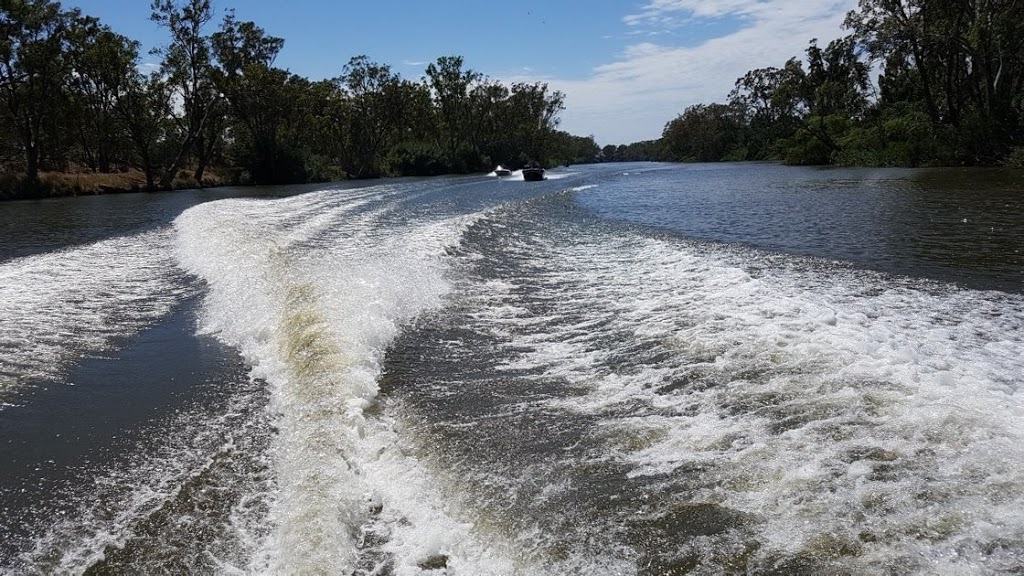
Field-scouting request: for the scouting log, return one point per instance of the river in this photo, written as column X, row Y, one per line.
column 624, row 369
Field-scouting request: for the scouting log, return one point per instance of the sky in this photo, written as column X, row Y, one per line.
column 626, row 67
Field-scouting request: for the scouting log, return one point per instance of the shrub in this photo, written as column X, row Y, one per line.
column 1016, row 159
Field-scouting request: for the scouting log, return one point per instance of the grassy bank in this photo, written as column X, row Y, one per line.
column 56, row 184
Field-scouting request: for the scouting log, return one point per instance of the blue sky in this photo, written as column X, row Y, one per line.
column 627, row 67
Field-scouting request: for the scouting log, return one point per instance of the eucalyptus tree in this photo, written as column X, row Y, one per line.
column 490, row 120
column 324, row 116
column 771, row 104
column 704, row 133
column 450, row 86
column 835, row 93
column 897, row 31
column 535, row 116
column 187, row 67
column 837, row 80
column 961, row 61
column 379, row 109
column 257, row 93
column 144, row 109
column 33, row 73
column 571, row 149
column 104, row 63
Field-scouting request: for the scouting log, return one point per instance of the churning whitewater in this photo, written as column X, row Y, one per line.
column 470, row 376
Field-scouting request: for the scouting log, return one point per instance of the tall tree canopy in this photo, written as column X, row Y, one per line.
column 73, row 97
column 950, row 91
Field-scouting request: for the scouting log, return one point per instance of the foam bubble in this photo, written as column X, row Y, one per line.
column 58, row 306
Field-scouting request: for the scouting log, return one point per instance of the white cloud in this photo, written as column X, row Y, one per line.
column 633, row 97
column 665, row 11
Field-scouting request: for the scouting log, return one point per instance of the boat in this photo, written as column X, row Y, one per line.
column 533, row 174
column 502, row 171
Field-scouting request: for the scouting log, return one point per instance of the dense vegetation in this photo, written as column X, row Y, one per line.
column 73, row 98
column 950, row 91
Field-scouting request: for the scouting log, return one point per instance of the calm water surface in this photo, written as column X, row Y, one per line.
column 625, row 369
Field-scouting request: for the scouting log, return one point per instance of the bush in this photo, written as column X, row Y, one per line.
column 1016, row 159
column 414, row 159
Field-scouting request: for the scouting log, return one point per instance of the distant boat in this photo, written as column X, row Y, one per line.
column 533, row 174
column 502, row 171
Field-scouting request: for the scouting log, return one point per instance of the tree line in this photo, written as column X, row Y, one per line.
column 949, row 91
column 73, row 97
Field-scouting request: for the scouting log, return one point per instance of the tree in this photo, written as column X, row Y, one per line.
column 834, row 92
column 450, row 85
column 187, row 66
column 258, row 97
column 962, row 62
column 535, row 117
column 570, row 149
column 837, row 79
column 770, row 102
column 704, row 133
column 143, row 110
column 489, row 121
column 33, row 72
column 103, row 65
column 379, row 105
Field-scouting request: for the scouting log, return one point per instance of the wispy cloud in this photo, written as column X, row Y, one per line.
column 633, row 97
column 668, row 12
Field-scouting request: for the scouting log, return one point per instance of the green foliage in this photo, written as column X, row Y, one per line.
column 568, row 149
column 950, row 93
column 645, row 150
column 417, row 159
column 72, row 97
column 703, row 133
column 805, row 148
column 34, row 68
column 187, row 66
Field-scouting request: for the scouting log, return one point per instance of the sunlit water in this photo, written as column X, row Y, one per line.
column 625, row 369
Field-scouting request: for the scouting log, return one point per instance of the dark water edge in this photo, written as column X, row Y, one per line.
column 59, row 438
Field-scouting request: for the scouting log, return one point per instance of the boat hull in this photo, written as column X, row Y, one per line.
column 533, row 174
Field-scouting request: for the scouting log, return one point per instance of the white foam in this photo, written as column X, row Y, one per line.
column 108, row 512
column 517, row 176
column 314, row 323
column 832, row 404
column 59, row 306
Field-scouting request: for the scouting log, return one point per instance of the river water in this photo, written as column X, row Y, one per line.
column 624, row 369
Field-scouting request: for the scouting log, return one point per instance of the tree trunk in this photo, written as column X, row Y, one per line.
column 201, row 161
column 32, row 162
column 172, row 170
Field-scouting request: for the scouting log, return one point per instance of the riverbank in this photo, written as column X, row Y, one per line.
column 15, row 186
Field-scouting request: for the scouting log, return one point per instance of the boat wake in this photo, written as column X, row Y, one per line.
column 58, row 307
column 313, row 317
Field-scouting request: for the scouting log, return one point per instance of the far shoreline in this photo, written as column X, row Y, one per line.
column 51, row 185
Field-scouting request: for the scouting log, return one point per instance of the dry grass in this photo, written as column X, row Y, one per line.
column 51, row 184
column 92, row 183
